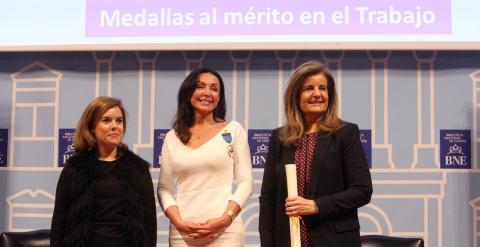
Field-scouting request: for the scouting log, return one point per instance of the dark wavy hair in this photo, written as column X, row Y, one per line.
column 185, row 116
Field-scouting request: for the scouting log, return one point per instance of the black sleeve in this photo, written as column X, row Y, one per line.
column 268, row 193
column 150, row 213
column 357, row 176
column 62, row 203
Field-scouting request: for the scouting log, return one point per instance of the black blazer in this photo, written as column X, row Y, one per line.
column 340, row 183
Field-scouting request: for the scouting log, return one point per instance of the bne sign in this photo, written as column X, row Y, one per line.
column 258, row 159
column 66, row 157
column 456, row 160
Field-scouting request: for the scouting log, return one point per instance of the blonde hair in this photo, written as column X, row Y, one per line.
column 84, row 138
column 295, row 128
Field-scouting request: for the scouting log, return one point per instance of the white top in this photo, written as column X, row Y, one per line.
column 204, row 176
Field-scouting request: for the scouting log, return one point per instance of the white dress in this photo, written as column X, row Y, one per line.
column 203, row 178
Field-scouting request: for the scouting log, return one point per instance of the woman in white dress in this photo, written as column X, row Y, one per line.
column 201, row 157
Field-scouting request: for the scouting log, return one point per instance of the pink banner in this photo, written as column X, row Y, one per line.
column 120, row 18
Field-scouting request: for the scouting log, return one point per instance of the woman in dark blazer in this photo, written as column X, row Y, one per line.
column 333, row 177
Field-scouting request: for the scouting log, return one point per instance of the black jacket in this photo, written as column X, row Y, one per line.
column 340, row 183
column 74, row 200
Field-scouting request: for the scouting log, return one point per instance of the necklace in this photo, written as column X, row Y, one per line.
column 204, row 132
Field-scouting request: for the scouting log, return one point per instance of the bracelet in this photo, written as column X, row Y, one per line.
column 230, row 213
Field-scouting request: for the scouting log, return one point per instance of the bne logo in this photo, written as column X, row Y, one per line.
column 66, row 157
column 258, row 159
column 455, row 156
column 69, row 153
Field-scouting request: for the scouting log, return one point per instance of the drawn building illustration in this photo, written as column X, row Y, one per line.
column 411, row 190
column 29, row 210
column 146, row 102
column 475, row 76
column 103, row 73
column 34, row 122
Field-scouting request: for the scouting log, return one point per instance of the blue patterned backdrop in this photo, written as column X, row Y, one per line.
column 418, row 112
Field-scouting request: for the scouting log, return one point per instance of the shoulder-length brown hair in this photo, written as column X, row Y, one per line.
column 185, row 116
column 84, row 138
column 294, row 128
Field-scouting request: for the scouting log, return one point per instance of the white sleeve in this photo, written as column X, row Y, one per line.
column 166, row 179
column 243, row 167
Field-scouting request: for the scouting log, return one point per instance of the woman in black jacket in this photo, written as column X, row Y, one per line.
column 104, row 195
column 332, row 172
